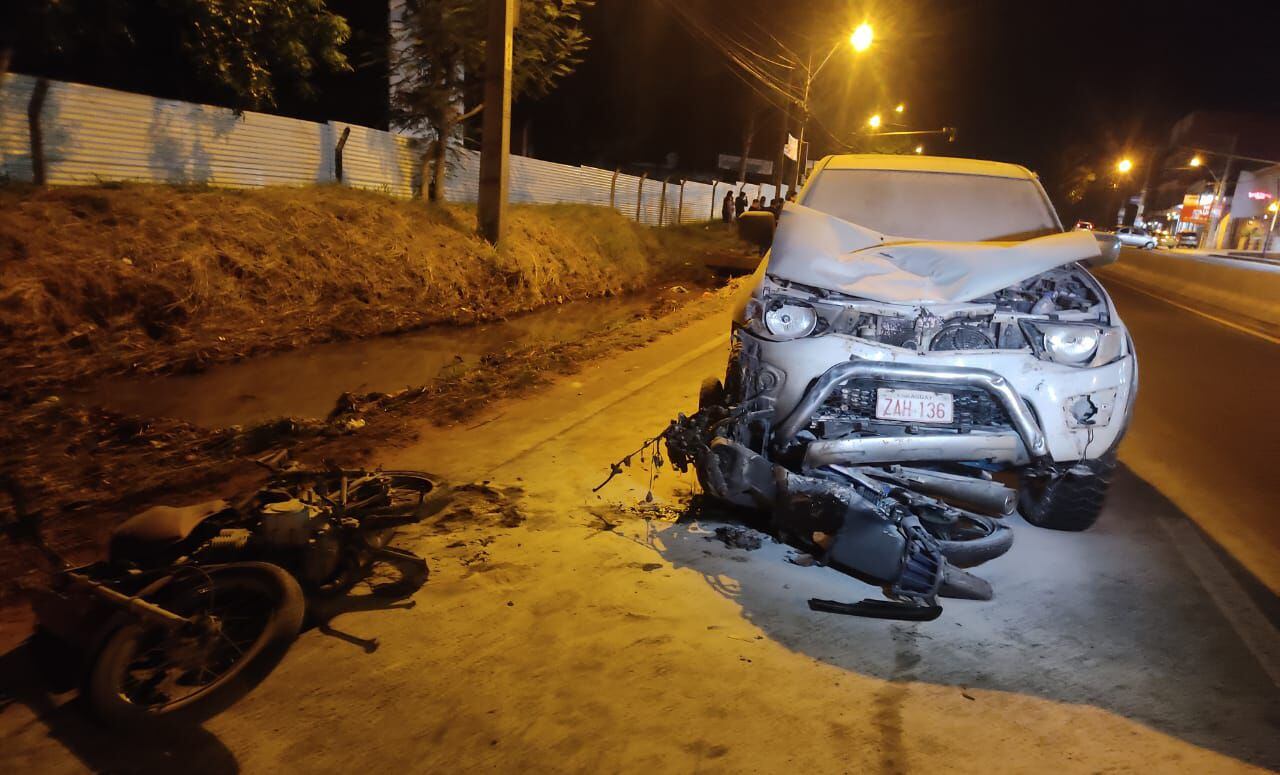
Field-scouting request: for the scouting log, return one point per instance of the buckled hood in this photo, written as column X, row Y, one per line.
column 820, row 250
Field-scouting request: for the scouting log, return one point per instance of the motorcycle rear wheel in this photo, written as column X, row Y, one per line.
column 146, row 676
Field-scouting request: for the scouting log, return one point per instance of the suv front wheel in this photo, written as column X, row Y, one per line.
column 1069, row 500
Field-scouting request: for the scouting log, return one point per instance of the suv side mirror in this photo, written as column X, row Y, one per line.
column 1108, row 247
column 756, row 227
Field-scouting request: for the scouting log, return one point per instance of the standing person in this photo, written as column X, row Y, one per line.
column 726, row 207
column 740, row 204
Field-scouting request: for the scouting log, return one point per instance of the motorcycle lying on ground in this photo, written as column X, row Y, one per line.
column 194, row 606
column 910, row 531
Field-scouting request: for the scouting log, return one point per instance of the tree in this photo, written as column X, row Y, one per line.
column 438, row 57
column 244, row 49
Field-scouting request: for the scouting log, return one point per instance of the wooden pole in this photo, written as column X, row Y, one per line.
column 337, row 153
column 495, row 143
column 640, row 194
column 662, row 202
column 35, row 106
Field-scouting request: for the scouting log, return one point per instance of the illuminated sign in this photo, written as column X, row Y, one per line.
column 1195, row 209
column 1260, row 195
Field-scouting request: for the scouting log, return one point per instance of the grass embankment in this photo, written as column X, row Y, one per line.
column 154, row 278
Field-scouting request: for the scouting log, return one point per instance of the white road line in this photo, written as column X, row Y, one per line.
column 1254, row 628
column 1201, row 313
column 593, row 408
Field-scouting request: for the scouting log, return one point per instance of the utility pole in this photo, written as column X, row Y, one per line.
column 1218, row 191
column 804, row 122
column 495, row 143
column 782, row 145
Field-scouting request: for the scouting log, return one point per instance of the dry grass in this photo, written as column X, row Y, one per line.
column 155, row 278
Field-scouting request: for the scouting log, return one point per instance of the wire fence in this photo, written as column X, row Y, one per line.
column 94, row 135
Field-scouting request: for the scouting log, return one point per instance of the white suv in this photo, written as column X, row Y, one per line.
column 928, row 318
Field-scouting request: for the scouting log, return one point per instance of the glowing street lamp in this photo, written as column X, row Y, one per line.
column 861, row 37
column 1123, row 166
column 900, row 108
column 874, row 121
column 919, row 149
column 1196, row 161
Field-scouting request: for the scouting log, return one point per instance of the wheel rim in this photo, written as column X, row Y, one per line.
column 962, row 528
column 164, row 669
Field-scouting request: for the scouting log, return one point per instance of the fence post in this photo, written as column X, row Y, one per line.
column 714, row 183
column 640, row 194
column 35, row 106
column 680, row 204
column 613, row 189
column 662, row 201
column 337, row 153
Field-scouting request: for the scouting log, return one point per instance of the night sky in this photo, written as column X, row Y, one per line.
column 1048, row 85
column 1030, row 82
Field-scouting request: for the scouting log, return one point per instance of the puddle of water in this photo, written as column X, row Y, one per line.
column 306, row 382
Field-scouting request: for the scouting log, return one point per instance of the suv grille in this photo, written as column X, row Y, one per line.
column 973, row 407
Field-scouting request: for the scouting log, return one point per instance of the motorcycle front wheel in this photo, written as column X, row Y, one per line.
column 245, row 617
column 972, row 539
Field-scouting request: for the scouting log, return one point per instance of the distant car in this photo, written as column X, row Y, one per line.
column 1132, row 235
column 1084, row 225
column 1188, row 239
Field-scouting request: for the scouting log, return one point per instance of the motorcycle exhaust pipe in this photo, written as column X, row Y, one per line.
column 981, row 495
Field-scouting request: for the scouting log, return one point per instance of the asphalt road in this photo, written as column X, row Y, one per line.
column 591, row 639
column 1206, row 429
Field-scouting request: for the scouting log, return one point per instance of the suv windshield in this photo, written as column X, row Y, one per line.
column 934, row 205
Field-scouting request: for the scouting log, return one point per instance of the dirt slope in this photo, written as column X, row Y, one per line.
column 154, row 278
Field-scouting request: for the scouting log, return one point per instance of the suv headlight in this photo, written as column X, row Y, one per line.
column 781, row 318
column 1074, row 344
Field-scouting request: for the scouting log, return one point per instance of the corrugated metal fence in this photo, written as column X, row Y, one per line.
column 93, row 135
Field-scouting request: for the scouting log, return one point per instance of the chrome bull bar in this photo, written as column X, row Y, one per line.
column 1023, row 421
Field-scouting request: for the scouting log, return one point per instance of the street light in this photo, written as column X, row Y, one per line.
column 900, row 108
column 1123, row 166
column 874, row 121
column 861, row 37
column 919, row 149
column 1196, row 161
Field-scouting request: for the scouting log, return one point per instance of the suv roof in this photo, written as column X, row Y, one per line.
column 915, row 163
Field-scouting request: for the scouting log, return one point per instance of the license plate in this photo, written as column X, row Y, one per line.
column 913, row 405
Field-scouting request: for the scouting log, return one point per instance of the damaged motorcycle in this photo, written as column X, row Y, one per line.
column 193, row 606
column 918, row 327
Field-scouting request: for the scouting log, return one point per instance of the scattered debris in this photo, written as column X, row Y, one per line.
column 739, row 537
column 802, row 559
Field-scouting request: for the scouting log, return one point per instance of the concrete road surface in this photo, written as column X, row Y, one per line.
column 589, row 638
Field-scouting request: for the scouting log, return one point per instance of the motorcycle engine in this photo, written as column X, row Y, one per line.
column 286, row 523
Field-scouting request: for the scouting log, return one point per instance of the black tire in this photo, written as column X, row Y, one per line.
column 1068, row 502
column 987, row 539
column 270, row 588
column 711, row 394
column 1149, row 246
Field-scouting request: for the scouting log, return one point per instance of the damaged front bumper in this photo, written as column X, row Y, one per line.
column 1030, row 408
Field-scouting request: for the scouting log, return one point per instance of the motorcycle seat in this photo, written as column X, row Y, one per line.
column 160, row 527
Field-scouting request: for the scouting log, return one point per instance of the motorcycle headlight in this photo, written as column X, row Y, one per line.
column 789, row 319
column 1074, row 344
